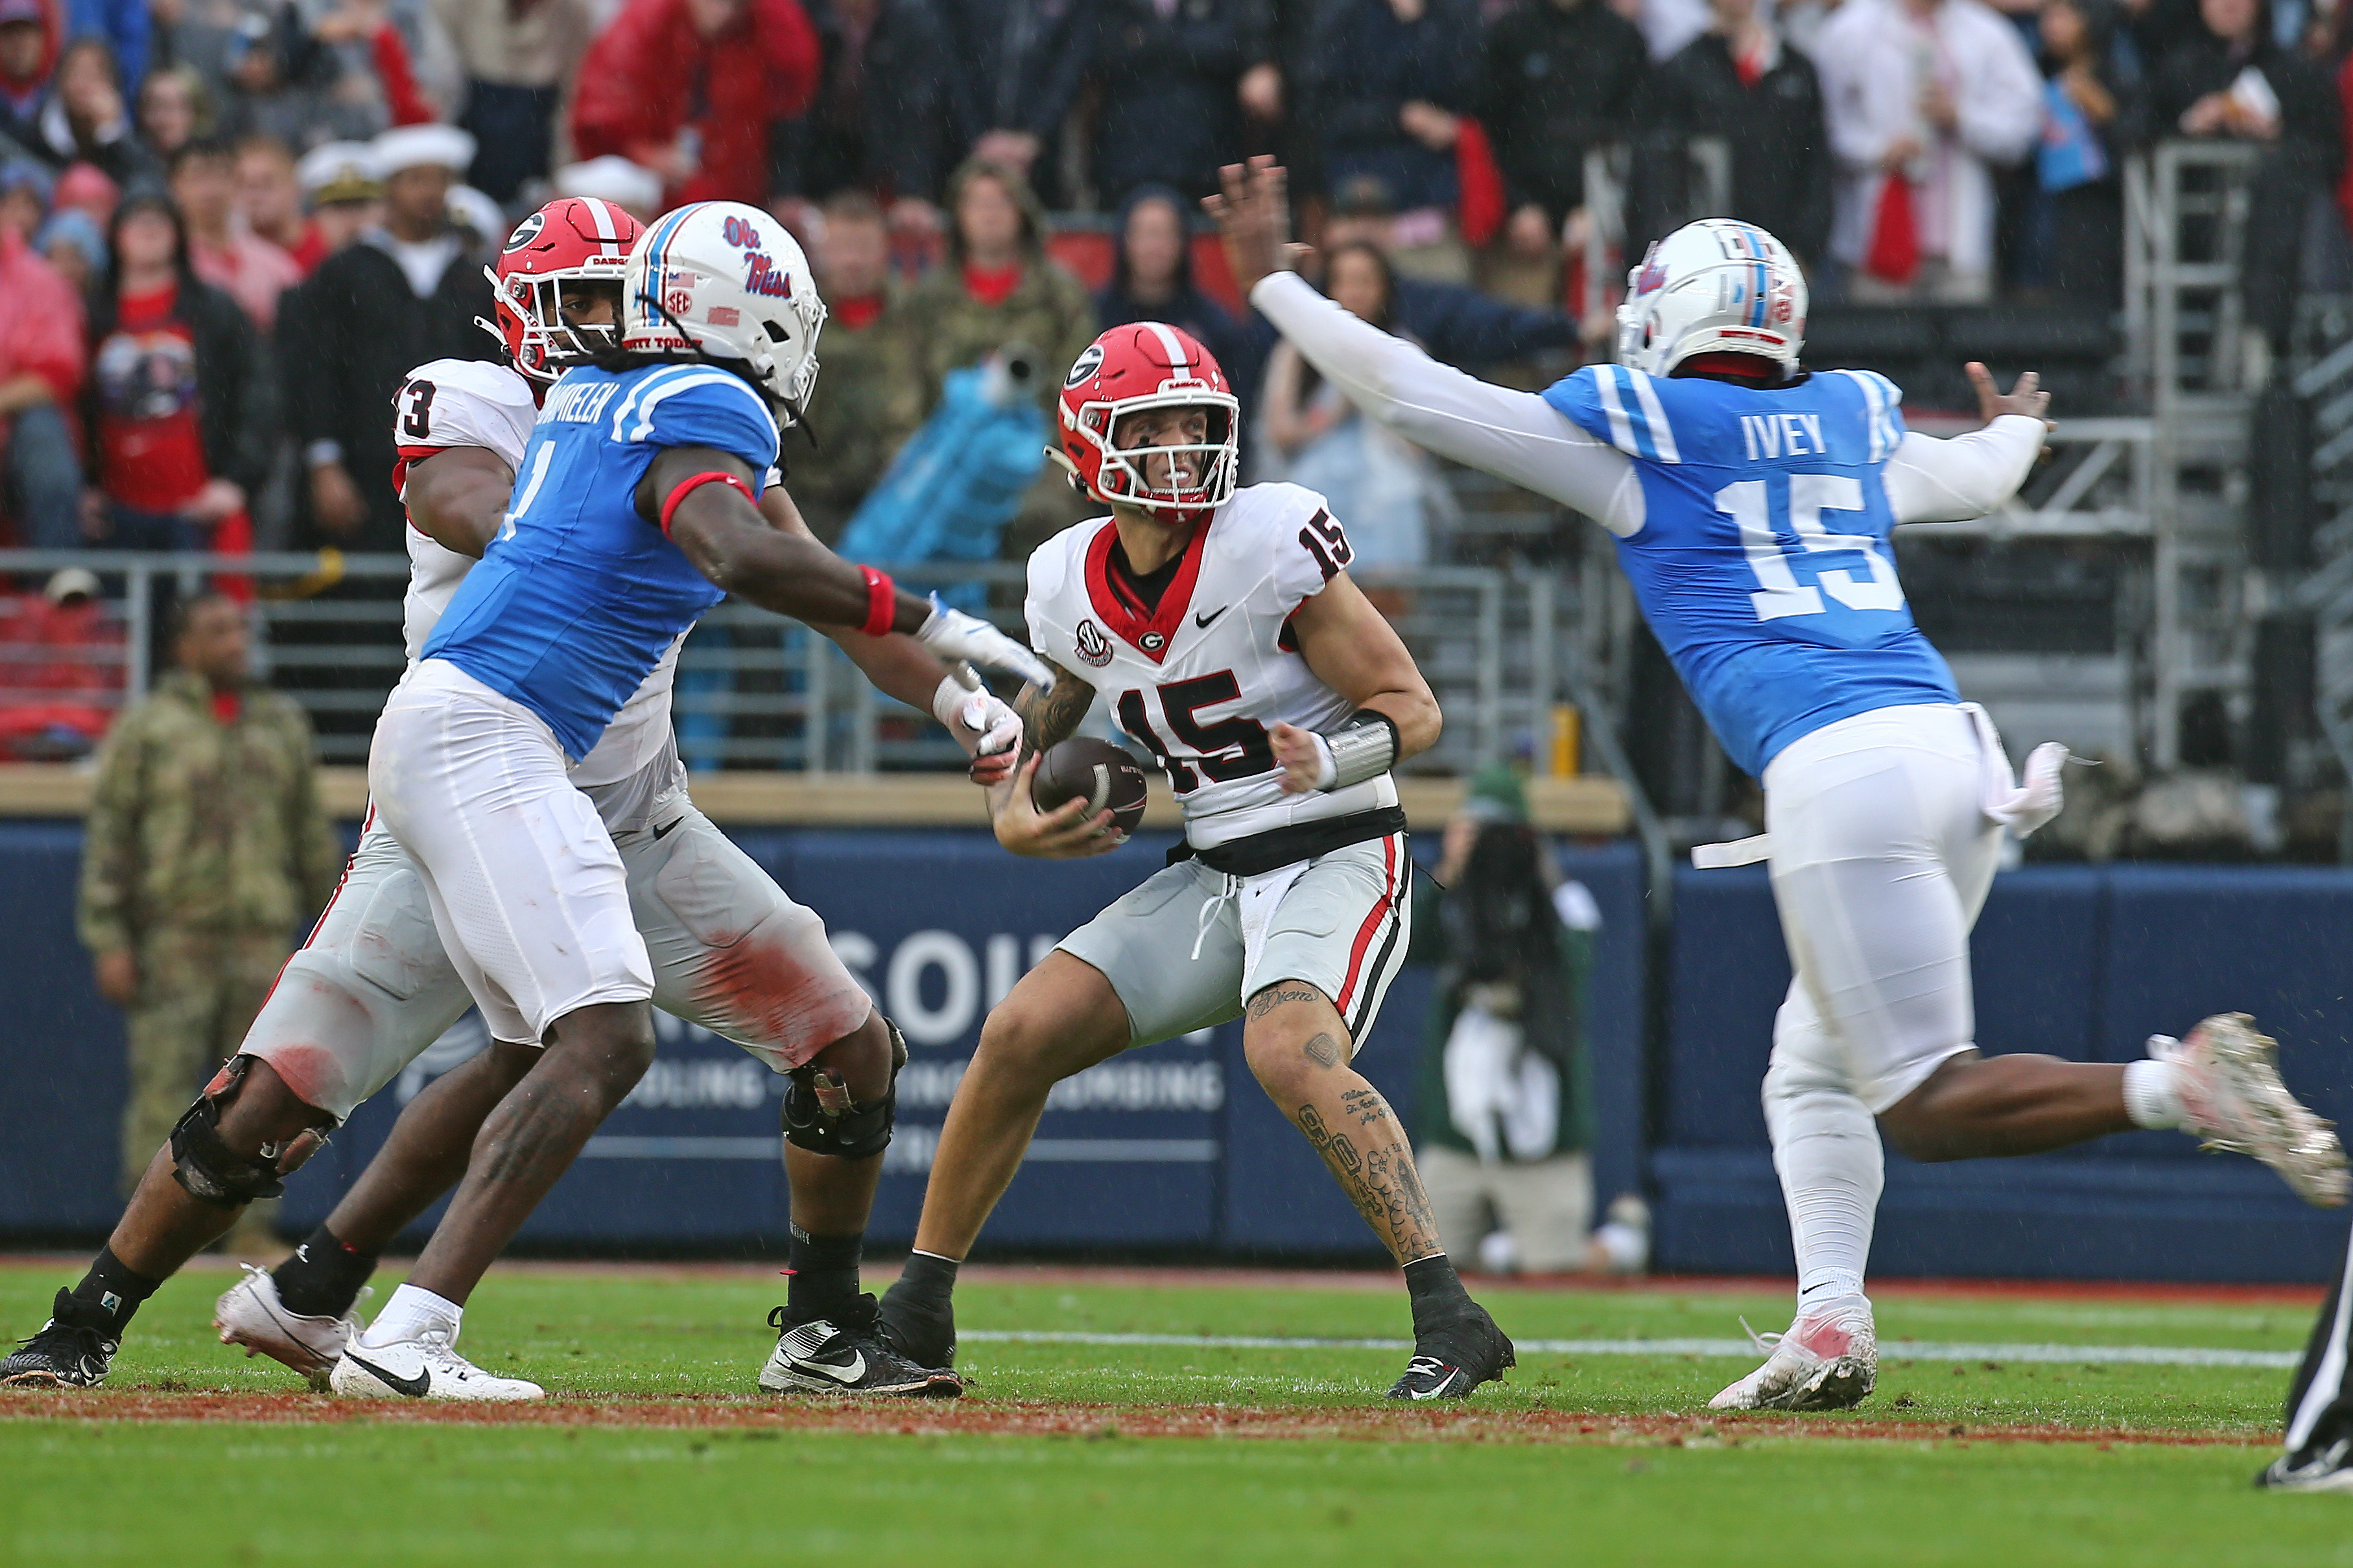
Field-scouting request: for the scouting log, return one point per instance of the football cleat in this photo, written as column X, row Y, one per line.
column 249, row 1313
column 845, row 1354
column 2328, row 1469
column 2232, row 1099
column 425, row 1366
column 1828, row 1359
column 1450, row 1361
column 64, row 1354
column 921, row 1331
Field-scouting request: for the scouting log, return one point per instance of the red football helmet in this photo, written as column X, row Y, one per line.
column 1141, row 366
column 572, row 240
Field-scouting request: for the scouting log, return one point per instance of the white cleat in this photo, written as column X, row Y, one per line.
column 1828, row 1359
column 249, row 1313
column 427, row 1366
column 2232, row 1099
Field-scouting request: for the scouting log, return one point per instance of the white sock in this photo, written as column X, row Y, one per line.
column 411, row 1309
column 2153, row 1093
column 1826, row 1147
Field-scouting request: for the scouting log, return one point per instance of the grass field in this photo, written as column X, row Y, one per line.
column 1143, row 1418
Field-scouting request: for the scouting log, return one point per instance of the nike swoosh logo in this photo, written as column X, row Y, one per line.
column 1202, row 620
column 666, row 828
column 841, row 1374
column 413, row 1387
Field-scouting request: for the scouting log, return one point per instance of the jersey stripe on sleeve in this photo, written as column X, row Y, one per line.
column 1662, row 435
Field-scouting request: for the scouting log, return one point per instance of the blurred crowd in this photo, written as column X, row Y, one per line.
column 227, row 226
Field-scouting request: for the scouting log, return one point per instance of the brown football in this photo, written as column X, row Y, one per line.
column 1104, row 775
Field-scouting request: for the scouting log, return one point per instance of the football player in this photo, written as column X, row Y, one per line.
column 1752, row 502
column 373, row 986
column 1224, row 630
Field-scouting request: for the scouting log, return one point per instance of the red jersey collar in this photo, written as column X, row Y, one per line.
column 1149, row 632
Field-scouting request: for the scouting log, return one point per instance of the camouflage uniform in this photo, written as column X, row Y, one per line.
column 206, row 843
column 869, row 399
column 944, row 327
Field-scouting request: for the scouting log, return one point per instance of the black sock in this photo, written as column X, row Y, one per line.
column 1436, row 1290
column 323, row 1276
column 822, row 1275
column 928, row 1279
column 107, row 1294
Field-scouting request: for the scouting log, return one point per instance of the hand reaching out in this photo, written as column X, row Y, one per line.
column 1253, row 213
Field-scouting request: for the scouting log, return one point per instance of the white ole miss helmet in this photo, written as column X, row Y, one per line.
column 1717, row 286
column 724, row 282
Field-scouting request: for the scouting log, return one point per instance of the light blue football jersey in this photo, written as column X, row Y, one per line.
column 579, row 597
column 1763, row 563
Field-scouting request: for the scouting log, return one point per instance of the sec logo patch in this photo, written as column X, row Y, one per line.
column 1094, row 647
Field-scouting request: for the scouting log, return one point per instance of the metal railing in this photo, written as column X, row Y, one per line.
column 755, row 689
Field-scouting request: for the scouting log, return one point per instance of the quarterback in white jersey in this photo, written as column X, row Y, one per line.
column 373, row 986
column 1751, row 501
column 1222, row 628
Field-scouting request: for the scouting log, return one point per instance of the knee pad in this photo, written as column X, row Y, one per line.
column 820, row 1115
column 204, row 1164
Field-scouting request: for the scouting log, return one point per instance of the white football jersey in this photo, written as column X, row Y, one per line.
column 473, row 403
column 1200, row 679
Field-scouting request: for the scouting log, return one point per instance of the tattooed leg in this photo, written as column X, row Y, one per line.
column 1299, row 1050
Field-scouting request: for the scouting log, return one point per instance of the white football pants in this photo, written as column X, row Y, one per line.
column 1882, row 856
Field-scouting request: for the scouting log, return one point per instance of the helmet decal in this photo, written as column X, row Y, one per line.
column 715, row 282
column 1090, row 361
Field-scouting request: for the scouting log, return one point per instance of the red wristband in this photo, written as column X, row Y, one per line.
column 693, row 482
column 881, row 603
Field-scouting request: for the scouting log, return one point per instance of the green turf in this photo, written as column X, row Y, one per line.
column 233, row 1493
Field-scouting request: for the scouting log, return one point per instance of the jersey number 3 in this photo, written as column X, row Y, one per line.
column 416, row 419
column 1779, row 593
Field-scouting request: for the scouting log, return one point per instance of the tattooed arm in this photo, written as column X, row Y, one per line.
column 1067, row 832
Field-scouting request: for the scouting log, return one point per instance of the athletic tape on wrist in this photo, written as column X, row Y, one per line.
column 1364, row 747
column 693, row 482
column 881, row 603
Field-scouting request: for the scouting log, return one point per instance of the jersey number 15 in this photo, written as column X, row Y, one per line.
column 1229, row 749
column 1770, row 553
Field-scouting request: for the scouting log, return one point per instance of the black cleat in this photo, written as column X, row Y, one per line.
column 1454, row 1358
column 63, row 1355
column 2328, row 1469
column 923, row 1330
column 846, row 1354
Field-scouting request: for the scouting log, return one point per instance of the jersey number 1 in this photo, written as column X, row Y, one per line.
column 1779, row 593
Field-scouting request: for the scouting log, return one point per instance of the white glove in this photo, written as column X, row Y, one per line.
column 952, row 635
column 972, row 713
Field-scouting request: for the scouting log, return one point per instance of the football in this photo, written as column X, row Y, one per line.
column 1101, row 773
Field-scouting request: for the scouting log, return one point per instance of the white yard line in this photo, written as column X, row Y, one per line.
column 1729, row 1350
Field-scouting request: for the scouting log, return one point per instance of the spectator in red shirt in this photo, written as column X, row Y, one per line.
column 224, row 252
column 31, row 34
column 692, row 88
column 61, row 666
column 268, row 201
column 41, row 364
column 179, row 412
